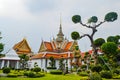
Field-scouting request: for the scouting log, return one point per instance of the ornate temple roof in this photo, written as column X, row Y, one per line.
column 22, row 47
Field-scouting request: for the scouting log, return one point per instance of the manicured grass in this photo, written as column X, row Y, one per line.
column 50, row 77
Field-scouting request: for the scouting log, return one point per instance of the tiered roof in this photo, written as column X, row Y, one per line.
column 22, row 47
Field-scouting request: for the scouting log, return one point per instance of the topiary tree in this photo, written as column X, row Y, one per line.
column 23, row 60
column 6, row 70
column 98, row 42
column 112, row 39
column 109, row 48
column 96, row 68
column 93, row 25
column 37, row 69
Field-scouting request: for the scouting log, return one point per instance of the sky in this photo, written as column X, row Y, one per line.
column 38, row 20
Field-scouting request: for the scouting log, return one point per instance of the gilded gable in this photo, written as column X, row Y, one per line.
column 22, row 47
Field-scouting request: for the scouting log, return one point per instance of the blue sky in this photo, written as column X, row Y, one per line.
column 40, row 19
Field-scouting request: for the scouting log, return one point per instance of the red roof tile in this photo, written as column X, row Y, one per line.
column 48, row 45
column 67, row 47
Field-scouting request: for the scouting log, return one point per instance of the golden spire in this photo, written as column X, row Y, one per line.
column 60, row 35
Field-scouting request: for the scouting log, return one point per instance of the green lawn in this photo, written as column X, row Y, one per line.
column 50, row 77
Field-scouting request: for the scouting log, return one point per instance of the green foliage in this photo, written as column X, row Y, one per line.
column 2, row 55
column 95, row 76
column 111, row 16
column 35, row 64
column 37, row 69
column 51, row 67
column 96, row 68
column 98, row 42
column 116, row 71
column 23, row 60
column 52, row 61
column 112, row 39
column 55, row 72
column 6, row 70
column 12, row 75
column 82, row 73
column 61, row 64
column 31, row 75
column 76, row 18
column 109, row 48
column 1, row 47
column 93, row 19
column 84, row 66
column 106, row 74
column 75, row 35
column 116, row 77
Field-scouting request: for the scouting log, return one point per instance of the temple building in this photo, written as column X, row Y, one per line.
column 59, row 48
column 11, row 58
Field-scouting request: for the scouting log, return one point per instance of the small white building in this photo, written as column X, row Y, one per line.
column 11, row 60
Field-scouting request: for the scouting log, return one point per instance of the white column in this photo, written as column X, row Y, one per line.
column 8, row 63
column 17, row 65
column 3, row 62
column 44, row 64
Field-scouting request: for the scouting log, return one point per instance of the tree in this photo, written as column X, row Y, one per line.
column 112, row 39
column 109, row 48
column 52, row 62
column 92, row 24
column 98, row 42
column 1, row 44
column 23, row 60
column 61, row 64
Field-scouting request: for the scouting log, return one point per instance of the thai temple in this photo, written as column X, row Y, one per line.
column 58, row 48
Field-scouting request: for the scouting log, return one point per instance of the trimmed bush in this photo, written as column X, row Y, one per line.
column 6, row 70
column 96, row 68
column 95, row 76
column 55, row 72
column 83, row 74
column 106, row 74
column 31, row 75
column 12, row 75
column 25, row 73
column 39, row 75
column 51, row 67
column 37, row 69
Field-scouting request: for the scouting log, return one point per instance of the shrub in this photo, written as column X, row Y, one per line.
column 6, row 70
column 51, row 67
column 39, row 75
column 55, row 72
column 83, row 74
column 96, row 68
column 106, row 74
column 95, row 76
column 31, row 74
column 84, row 66
column 37, row 69
column 25, row 73
column 117, row 71
column 116, row 77
column 12, row 75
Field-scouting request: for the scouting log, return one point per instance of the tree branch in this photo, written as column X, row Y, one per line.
column 85, row 25
column 99, row 24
